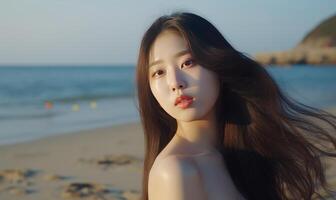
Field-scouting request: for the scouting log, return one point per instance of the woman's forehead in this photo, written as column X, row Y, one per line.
column 168, row 43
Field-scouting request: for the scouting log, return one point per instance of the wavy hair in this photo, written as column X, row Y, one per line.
column 272, row 144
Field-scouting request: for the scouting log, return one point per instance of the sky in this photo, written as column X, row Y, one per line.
column 108, row 32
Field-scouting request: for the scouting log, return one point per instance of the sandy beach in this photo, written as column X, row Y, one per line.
column 103, row 163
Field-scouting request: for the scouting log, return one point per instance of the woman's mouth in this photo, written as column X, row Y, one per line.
column 183, row 101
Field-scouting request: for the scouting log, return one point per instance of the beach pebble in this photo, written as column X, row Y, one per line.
column 117, row 160
column 79, row 190
column 112, row 160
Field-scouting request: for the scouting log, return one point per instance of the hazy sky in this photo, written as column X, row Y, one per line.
column 109, row 32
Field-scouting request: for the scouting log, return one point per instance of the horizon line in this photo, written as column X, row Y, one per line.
column 68, row 65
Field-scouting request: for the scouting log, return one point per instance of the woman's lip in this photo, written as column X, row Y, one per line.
column 183, row 98
column 185, row 103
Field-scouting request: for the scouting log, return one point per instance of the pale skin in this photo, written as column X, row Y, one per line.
column 189, row 167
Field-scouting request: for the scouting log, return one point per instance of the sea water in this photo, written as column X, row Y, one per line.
column 39, row 101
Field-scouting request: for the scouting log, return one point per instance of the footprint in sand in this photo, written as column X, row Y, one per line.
column 112, row 160
column 97, row 192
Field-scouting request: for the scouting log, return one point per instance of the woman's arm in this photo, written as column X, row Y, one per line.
column 174, row 178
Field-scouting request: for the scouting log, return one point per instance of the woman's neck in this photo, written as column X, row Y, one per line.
column 199, row 134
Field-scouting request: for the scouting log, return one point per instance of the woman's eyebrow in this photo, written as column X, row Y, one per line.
column 179, row 54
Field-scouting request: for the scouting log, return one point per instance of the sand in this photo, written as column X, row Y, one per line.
column 45, row 168
column 103, row 163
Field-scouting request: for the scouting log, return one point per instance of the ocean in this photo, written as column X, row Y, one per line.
column 39, row 101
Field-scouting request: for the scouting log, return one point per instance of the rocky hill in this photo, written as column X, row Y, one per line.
column 318, row 47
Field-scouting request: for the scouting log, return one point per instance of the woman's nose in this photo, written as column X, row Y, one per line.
column 176, row 81
column 178, row 86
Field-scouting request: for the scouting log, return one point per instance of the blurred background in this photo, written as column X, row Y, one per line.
column 69, row 65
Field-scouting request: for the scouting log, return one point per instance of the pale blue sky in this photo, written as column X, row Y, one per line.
column 109, row 32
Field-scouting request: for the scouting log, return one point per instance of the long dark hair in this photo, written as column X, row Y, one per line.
column 272, row 144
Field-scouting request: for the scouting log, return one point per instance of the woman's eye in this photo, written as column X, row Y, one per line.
column 156, row 72
column 188, row 63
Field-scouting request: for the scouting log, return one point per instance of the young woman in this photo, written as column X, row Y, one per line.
column 216, row 124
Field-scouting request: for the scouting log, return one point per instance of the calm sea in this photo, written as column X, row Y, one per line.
column 88, row 97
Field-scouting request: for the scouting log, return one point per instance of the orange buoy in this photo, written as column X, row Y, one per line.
column 48, row 105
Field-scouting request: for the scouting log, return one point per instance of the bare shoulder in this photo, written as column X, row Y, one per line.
column 174, row 177
column 175, row 165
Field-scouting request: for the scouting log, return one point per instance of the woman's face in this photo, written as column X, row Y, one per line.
column 172, row 73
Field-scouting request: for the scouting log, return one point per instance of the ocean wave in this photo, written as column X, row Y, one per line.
column 21, row 116
column 65, row 99
column 80, row 98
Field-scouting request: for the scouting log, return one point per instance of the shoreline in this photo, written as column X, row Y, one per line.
column 331, row 109
column 64, row 133
column 36, row 122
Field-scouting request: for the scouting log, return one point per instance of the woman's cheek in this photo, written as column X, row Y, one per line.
column 158, row 91
column 155, row 86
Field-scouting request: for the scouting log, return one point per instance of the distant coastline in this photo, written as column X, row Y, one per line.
column 299, row 55
column 318, row 47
